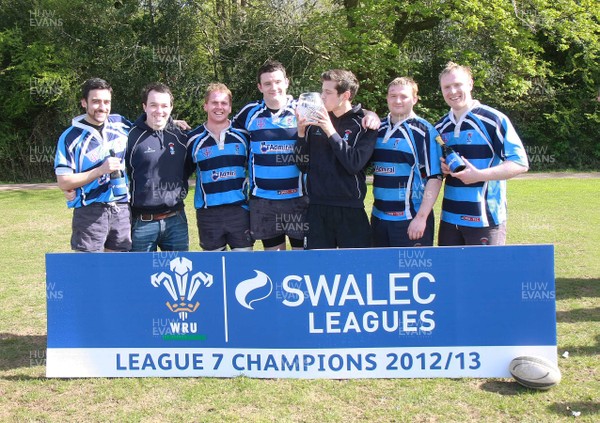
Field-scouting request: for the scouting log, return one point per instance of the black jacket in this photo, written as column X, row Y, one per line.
column 157, row 167
column 335, row 165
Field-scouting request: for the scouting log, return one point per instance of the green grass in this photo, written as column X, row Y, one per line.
column 563, row 212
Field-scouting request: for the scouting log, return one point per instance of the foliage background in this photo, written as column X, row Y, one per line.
column 535, row 60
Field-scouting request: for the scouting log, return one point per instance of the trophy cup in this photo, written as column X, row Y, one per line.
column 309, row 105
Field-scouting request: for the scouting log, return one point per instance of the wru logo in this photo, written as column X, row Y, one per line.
column 181, row 292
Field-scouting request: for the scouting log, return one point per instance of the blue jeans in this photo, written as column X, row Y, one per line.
column 170, row 234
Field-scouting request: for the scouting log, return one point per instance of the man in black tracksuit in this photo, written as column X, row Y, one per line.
column 333, row 150
column 158, row 170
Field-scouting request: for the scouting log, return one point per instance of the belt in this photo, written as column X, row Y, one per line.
column 157, row 216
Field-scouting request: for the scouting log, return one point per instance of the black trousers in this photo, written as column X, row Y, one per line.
column 337, row 227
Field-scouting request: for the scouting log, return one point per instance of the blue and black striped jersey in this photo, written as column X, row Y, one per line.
column 220, row 167
column 82, row 148
column 486, row 138
column 272, row 169
column 405, row 157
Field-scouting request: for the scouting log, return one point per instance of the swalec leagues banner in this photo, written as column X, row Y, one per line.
column 369, row 313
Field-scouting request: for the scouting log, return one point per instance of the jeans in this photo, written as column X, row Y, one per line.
column 170, row 234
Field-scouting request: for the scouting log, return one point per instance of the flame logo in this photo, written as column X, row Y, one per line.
column 245, row 288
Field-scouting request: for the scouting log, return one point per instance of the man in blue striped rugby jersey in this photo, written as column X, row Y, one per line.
column 83, row 164
column 277, row 201
column 474, row 208
column 407, row 176
column 220, row 154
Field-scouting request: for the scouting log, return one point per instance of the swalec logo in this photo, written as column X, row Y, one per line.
column 255, row 289
column 181, row 292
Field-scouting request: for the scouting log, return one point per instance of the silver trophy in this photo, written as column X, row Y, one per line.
column 309, row 105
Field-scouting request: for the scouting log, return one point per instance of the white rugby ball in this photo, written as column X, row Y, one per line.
column 534, row 372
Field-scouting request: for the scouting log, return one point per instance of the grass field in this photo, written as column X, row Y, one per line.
column 563, row 212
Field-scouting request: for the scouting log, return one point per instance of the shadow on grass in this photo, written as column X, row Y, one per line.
column 579, row 315
column 574, row 289
column 586, row 408
column 17, row 351
column 511, row 388
column 21, row 378
column 575, row 350
column 503, row 387
column 577, row 288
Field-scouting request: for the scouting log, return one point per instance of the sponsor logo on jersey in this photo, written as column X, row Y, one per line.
column 266, row 147
column 384, row 169
column 287, row 191
column 470, row 218
column 397, row 213
column 222, row 174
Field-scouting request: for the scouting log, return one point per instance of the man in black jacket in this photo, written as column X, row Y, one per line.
column 333, row 150
column 158, row 171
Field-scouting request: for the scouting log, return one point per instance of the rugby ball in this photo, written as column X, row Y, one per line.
column 534, row 372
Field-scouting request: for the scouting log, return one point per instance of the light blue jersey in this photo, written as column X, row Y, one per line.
column 486, row 138
column 82, row 148
column 273, row 172
column 220, row 167
column 405, row 157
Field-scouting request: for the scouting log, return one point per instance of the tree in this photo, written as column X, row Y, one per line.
column 536, row 60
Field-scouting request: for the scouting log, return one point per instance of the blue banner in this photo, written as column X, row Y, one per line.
column 414, row 312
